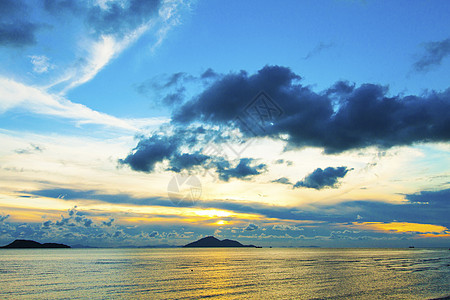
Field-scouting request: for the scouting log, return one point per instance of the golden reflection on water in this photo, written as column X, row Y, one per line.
column 220, row 273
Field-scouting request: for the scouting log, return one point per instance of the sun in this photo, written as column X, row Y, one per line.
column 221, row 222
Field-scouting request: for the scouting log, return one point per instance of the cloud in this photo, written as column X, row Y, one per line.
column 160, row 147
column 18, row 34
column 117, row 18
column 108, row 18
column 282, row 180
column 187, row 161
column 284, row 227
column 170, row 143
column 15, row 29
column 251, row 227
column 435, row 52
column 174, row 80
column 245, row 169
column 3, row 218
column 75, row 219
column 438, row 199
column 29, row 150
column 319, row 178
column 100, row 52
column 153, row 234
column 173, row 85
column 209, row 73
column 110, row 28
column 423, row 207
column 72, row 194
column 108, row 223
column 36, row 100
column 282, row 161
column 318, row 49
column 150, row 151
column 343, row 117
column 104, row 30
column 41, row 63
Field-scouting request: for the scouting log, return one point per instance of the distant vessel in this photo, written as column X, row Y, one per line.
column 411, row 246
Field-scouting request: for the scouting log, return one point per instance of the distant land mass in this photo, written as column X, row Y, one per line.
column 21, row 244
column 211, row 241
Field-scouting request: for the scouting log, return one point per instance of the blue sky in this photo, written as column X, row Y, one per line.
column 103, row 103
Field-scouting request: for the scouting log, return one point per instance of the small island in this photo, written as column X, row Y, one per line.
column 213, row 242
column 27, row 244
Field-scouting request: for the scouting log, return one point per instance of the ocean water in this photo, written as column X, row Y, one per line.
column 247, row 273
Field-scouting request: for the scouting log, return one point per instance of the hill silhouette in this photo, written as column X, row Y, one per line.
column 211, row 242
column 22, row 244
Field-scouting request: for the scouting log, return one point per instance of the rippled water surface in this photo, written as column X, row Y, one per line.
column 182, row 273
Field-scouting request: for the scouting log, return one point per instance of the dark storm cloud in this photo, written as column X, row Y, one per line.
column 15, row 28
column 435, row 52
column 187, row 161
column 226, row 97
column 119, row 18
column 160, row 147
column 341, row 118
column 209, row 73
column 244, row 170
column 150, row 151
column 323, row 178
column 340, row 88
column 174, row 98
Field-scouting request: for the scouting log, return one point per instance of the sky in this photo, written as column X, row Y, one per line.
column 159, row 122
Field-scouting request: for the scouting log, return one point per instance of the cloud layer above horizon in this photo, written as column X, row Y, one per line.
column 144, row 122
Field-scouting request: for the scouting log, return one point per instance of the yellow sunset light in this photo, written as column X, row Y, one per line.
column 402, row 227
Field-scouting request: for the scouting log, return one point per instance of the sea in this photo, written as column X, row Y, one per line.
column 224, row 273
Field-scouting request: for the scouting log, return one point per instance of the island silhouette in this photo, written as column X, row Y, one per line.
column 211, row 242
column 24, row 244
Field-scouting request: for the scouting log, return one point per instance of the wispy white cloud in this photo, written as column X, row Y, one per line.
column 100, row 52
column 41, row 63
column 169, row 16
column 36, row 100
